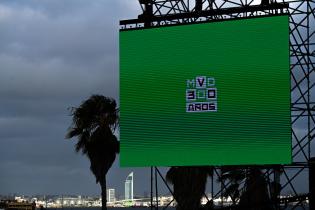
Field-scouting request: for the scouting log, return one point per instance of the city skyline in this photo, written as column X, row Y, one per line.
column 87, row 201
column 84, row 201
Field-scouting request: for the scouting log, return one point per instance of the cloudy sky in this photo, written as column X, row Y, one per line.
column 53, row 55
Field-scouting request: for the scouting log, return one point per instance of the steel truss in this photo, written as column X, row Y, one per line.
column 159, row 13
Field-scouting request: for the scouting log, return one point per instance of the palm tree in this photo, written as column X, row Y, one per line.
column 254, row 193
column 189, row 185
column 93, row 123
column 235, row 176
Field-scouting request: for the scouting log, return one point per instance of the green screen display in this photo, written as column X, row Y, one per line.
column 206, row 94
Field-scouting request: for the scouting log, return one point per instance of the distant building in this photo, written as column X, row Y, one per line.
column 111, row 195
column 129, row 187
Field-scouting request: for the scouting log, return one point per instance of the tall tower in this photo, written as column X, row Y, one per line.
column 129, row 187
column 111, row 195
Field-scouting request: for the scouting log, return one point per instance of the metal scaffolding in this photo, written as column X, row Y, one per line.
column 161, row 13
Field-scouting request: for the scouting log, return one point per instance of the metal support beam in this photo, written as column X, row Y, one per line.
column 312, row 183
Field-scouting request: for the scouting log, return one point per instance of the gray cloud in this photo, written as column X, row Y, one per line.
column 53, row 55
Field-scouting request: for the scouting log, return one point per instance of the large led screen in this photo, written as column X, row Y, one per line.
column 206, row 94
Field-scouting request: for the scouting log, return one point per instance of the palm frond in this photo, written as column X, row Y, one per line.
column 83, row 142
column 93, row 123
column 73, row 132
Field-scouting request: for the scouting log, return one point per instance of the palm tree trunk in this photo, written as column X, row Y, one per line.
column 104, row 197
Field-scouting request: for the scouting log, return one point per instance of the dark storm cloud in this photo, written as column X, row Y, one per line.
column 37, row 49
column 53, row 55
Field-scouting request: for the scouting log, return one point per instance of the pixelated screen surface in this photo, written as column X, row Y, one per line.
column 206, row 94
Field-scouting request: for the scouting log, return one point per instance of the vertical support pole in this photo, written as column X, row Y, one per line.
column 147, row 13
column 308, row 53
column 277, row 186
column 311, row 181
column 212, row 186
column 156, row 190
column 311, row 161
column 221, row 189
column 212, row 190
column 151, row 187
column 198, row 5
